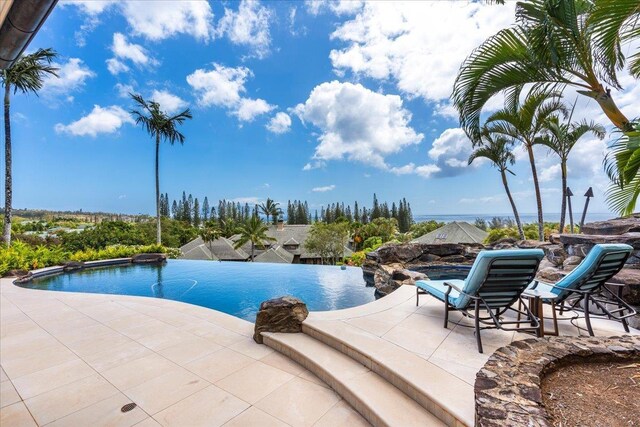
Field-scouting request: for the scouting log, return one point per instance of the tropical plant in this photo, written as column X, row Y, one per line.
column 24, row 76
column 497, row 149
column 622, row 165
column 524, row 121
column 255, row 231
column 328, row 241
column 162, row 127
column 270, row 208
column 555, row 44
column 560, row 137
column 210, row 232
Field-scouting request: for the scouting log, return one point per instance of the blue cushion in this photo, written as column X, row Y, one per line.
column 437, row 288
column 477, row 275
column 586, row 268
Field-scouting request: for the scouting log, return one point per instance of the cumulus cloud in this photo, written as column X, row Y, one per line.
column 357, row 123
column 169, row 103
column 339, row 7
column 418, row 45
column 450, row 152
column 252, row 200
column 124, row 90
column 314, row 165
column 323, row 189
column 72, row 75
column 99, row 120
column 280, row 123
column 425, row 171
column 248, row 26
column 154, row 20
column 224, row 87
column 123, row 50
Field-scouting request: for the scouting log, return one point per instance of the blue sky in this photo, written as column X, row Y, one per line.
column 320, row 101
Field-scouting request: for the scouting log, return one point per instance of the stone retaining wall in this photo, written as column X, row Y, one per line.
column 507, row 388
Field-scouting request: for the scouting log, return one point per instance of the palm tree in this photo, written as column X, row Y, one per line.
column 524, row 121
column 497, row 148
column 270, row 208
column 210, row 232
column 254, row 231
column 559, row 43
column 160, row 126
column 560, row 138
column 24, row 76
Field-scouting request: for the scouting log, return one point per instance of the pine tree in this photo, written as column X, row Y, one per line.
column 356, row 211
column 375, row 211
column 205, row 209
column 196, row 213
column 174, row 210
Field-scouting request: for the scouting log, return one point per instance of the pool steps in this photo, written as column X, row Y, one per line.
column 399, row 374
column 372, row 396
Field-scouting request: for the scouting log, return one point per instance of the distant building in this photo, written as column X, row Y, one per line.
column 288, row 247
column 454, row 232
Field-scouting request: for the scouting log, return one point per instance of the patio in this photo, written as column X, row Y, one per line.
column 76, row 359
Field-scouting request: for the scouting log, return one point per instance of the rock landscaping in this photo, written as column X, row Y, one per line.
column 284, row 314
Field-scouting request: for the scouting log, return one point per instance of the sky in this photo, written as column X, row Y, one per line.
column 320, row 100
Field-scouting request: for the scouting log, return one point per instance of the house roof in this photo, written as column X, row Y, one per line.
column 275, row 254
column 219, row 249
column 454, row 232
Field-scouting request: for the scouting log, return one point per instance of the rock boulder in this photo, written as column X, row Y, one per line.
column 614, row 227
column 284, row 314
column 152, row 258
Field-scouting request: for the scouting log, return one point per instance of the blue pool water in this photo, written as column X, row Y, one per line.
column 230, row 287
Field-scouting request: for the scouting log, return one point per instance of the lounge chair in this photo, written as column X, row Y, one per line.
column 495, row 282
column 583, row 288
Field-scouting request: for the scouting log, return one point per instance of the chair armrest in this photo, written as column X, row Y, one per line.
column 451, row 285
column 615, row 284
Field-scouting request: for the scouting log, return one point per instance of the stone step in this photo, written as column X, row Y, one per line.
column 373, row 397
column 441, row 393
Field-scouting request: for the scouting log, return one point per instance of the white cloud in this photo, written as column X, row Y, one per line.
column 425, row 171
column 99, row 120
column 169, row 103
column 280, row 123
column 154, row 20
column 249, row 109
column 450, row 151
column 323, row 189
column 115, row 67
column 124, row 90
column 339, row 7
column 72, row 75
column 224, row 87
column 357, row 123
column 249, row 200
column 314, row 165
column 123, row 50
column 248, row 26
column 418, row 45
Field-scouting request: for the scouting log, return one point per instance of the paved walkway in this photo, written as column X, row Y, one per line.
column 76, row 359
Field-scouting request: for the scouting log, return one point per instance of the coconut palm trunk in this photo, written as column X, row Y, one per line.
column 158, row 225
column 7, row 163
column 536, row 186
column 253, row 246
column 513, row 204
column 563, row 210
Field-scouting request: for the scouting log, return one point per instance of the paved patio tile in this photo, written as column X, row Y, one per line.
column 250, row 348
column 216, row 366
column 299, row 402
column 149, row 422
column 255, row 417
column 341, row 414
column 26, row 361
column 117, row 356
column 211, row 406
column 283, row 363
column 189, row 350
column 51, row 378
column 65, row 400
column 254, row 382
column 163, row 391
column 8, row 394
column 16, row 415
column 105, row 413
column 138, row 371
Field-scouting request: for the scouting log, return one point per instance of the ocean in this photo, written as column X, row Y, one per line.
column 525, row 217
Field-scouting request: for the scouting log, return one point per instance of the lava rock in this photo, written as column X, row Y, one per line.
column 152, row 258
column 284, row 314
column 73, row 266
column 613, row 227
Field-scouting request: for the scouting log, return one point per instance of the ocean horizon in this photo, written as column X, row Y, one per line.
column 526, row 218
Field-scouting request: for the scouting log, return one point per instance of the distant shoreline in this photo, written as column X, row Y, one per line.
column 525, row 218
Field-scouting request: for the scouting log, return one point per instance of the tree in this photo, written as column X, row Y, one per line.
column 496, row 148
column 196, row 213
column 206, row 210
column 162, row 127
column 524, row 121
column 24, row 76
column 560, row 138
column 270, row 208
column 557, row 44
column 209, row 233
column 328, row 240
column 255, row 231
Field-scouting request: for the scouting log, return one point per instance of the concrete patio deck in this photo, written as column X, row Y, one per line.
column 75, row 359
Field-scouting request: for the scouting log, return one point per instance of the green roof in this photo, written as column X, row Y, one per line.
column 454, row 232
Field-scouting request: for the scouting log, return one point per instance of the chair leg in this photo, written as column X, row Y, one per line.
column 587, row 317
column 417, row 295
column 556, row 332
column 477, row 316
column 625, row 325
column 446, row 315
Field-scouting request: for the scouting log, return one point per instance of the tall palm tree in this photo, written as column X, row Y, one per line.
column 497, row 148
column 255, row 231
column 524, row 122
column 560, row 137
column 24, row 76
column 161, row 126
column 210, row 232
column 270, row 208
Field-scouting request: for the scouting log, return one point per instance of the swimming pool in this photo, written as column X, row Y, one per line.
column 231, row 287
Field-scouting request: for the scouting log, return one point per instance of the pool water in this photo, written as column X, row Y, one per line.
column 231, row 287
column 444, row 272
